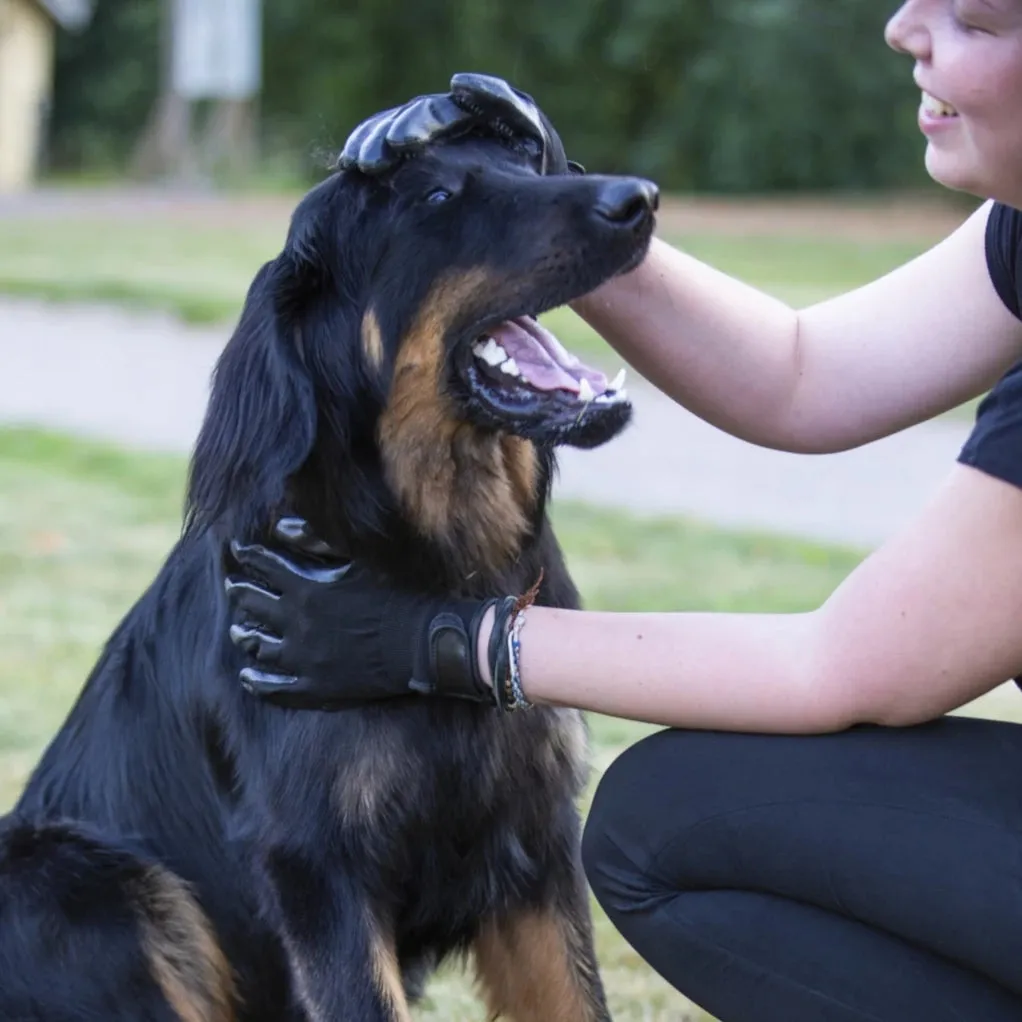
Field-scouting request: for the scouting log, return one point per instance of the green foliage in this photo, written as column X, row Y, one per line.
column 107, row 79
column 712, row 95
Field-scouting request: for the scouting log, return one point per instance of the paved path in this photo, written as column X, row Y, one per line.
column 142, row 380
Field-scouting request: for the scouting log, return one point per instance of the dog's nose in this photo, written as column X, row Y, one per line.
column 625, row 201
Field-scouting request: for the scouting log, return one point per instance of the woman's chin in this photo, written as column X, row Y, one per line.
column 954, row 172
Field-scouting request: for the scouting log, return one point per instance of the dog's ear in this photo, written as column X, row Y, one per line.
column 280, row 372
column 260, row 423
column 300, row 272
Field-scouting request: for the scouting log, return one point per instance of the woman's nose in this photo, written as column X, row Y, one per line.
column 907, row 31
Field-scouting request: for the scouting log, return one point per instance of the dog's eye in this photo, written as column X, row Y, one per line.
column 438, row 195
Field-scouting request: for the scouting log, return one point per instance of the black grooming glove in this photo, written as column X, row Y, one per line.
column 476, row 103
column 322, row 632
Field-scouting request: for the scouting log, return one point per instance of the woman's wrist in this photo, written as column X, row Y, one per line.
column 498, row 650
column 483, row 647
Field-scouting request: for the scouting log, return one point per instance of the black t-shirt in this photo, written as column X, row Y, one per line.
column 995, row 445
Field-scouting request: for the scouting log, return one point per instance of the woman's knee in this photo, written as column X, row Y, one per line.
column 617, row 850
column 650, row 799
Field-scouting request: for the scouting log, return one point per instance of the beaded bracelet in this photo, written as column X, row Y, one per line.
column 506, row 657
column 518, row 700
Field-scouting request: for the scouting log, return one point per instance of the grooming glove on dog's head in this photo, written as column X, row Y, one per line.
column 480, row 104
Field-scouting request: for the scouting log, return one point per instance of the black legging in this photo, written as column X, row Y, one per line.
column 874, row 874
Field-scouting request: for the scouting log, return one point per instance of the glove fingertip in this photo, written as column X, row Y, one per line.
column 263, row 683
column 248, row 555
column 296, row 533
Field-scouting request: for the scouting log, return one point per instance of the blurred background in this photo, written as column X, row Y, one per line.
column 151, row 152
column 719, row 96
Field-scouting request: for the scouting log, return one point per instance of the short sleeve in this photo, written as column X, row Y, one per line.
column 995, row 444
column 1003, row 242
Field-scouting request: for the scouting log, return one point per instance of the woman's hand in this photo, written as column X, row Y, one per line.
column 476, row 102
column 321, row 631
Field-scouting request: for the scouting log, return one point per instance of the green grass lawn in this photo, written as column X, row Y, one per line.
column 198, row 272
column 84, row 527
column 201, row 271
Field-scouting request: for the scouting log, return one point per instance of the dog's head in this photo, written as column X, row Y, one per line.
column 471, row 246
column 392, row 355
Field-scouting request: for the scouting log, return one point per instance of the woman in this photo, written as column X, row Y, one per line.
column 814, row 838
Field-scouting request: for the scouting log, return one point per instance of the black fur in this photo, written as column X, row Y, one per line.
column 305, row 836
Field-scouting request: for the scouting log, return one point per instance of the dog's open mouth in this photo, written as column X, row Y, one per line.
column 528, row 383
column 521, row 359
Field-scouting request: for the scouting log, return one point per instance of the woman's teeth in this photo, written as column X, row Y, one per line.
column 937, row 107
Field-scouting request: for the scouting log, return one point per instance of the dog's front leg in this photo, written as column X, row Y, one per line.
column 538, row 963
column 342, row 960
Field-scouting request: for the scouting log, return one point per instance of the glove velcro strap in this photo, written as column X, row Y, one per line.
column 452, row 659
column 447, row 664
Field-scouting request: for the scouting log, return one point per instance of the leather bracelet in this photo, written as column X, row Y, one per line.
column 498, row 652
column 504, row 648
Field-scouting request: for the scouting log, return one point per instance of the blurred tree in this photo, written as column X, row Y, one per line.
column 106, row 81
column 815, row 98
column 714, row 95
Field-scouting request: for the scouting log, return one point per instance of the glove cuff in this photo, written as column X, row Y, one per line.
column 441, row 644
column 454, row 661
column 441, row 647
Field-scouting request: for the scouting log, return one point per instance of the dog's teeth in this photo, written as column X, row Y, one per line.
column 618, row 382
column 511, row 368
column 585, row 391
column 490, row 352
column 494, row 354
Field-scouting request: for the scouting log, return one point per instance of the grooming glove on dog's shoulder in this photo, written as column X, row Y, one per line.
column 324, row 633
column 476, row 103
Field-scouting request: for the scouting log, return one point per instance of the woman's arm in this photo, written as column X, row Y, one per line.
column 916, row 342
column 926, row 624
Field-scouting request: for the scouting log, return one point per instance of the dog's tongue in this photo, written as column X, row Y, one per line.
column 541, row 358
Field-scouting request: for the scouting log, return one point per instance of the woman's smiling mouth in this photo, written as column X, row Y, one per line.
column 935, row 114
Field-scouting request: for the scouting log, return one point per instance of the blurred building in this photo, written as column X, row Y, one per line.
column 27, row 37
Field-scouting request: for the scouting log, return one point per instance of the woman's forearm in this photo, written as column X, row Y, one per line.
column 734, row 672
column 837, row 374
column 721, row 348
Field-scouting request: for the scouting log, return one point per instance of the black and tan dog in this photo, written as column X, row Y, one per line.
column 186, row 852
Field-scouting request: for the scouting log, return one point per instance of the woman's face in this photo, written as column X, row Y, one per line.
column 968, row 64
